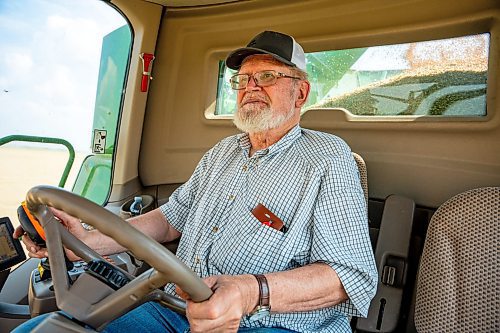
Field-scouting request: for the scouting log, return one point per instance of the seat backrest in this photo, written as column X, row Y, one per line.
column 363, row 174
column 458, row 279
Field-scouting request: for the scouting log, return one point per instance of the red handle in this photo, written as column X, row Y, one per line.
column 147, row 62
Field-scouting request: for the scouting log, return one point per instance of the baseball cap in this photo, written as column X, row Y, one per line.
column 282, row 47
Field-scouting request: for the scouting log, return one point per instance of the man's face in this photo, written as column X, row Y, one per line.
column 264, row 108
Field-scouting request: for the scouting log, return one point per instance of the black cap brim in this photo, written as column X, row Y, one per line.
column 235, row 58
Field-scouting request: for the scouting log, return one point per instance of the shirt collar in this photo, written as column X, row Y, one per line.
column 282, row 144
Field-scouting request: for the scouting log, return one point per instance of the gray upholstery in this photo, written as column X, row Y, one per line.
column 458, row 279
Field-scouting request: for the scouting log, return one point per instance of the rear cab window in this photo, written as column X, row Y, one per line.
column 439, row 78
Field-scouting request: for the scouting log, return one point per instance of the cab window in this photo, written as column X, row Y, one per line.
column 444, row 77
column 63, row 67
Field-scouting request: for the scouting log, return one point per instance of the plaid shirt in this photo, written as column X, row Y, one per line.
column 310, row 181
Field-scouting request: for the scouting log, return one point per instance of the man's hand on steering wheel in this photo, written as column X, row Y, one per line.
column 71, row 223
column 119, row 290
column 234, row 297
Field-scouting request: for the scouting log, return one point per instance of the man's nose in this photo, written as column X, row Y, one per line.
column 252, row 85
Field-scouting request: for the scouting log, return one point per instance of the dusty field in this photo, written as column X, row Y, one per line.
column 22, row 168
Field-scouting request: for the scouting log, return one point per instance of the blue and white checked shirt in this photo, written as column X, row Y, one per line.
column 308, row 179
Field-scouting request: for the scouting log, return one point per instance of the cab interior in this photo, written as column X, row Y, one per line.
column 414, row 164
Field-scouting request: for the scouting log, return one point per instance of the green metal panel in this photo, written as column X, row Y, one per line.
column 110, row 87
column 94, row 178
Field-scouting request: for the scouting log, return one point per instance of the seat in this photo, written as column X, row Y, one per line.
column 391, row 254
column 363, row 174
column 458, row 279
column 390, row 243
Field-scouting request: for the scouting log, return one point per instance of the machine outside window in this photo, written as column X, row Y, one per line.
column 445, row 78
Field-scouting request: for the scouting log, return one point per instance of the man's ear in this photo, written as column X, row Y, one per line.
column 303, row 93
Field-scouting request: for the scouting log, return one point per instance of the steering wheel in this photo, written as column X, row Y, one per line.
column 96, row 308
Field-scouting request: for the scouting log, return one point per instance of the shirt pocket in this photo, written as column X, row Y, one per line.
column 250, row 247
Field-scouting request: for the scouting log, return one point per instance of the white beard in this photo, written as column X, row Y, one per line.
column 254, row 118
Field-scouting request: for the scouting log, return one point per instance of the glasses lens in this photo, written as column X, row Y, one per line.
column 239, row 81
column 265, row 78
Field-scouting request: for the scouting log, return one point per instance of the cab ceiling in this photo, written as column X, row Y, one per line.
column 191, row 3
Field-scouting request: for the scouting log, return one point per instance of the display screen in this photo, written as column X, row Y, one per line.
column 11, row 252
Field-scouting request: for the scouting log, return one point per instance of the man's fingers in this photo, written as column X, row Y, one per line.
column 209, row 281
column 34, row 251
column 18, row 232
column 61, row 215
column 38, row 254
column 30, row 245
column 73, row 224
column 71, row 255
column 37, row 251
column 208, row 326
column 108, row 259
column 209, row 320
column 182, row 294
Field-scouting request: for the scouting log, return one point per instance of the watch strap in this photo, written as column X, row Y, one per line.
column 263, row 291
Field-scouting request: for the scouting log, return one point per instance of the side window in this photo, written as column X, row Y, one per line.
column 444, row 77
column 62, row 73
column 94, row 178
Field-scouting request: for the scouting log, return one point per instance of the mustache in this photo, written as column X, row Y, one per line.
column 255, row 98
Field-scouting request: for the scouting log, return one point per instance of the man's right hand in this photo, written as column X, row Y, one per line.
column 73, row 225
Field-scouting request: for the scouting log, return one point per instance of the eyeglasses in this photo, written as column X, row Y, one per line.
column 262, row 79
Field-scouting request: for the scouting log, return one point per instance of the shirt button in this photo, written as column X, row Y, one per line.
column 197, row 260
column 231, row 197
column 215, row 229
column 245, row 168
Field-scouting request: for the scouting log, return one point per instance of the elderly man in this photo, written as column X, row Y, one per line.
column 273, row 219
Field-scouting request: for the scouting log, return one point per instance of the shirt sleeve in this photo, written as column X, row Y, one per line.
column 341, row 236
column 178, row 206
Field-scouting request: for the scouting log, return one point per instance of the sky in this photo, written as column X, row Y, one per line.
column 49, row 64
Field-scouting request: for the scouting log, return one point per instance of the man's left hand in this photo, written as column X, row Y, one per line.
column 233, row 297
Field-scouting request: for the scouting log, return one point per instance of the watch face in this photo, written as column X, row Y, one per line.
column 259, row 313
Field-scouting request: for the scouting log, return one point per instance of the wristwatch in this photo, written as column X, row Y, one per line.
column 262, row 309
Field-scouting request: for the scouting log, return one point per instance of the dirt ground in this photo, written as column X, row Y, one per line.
column 21, row 168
